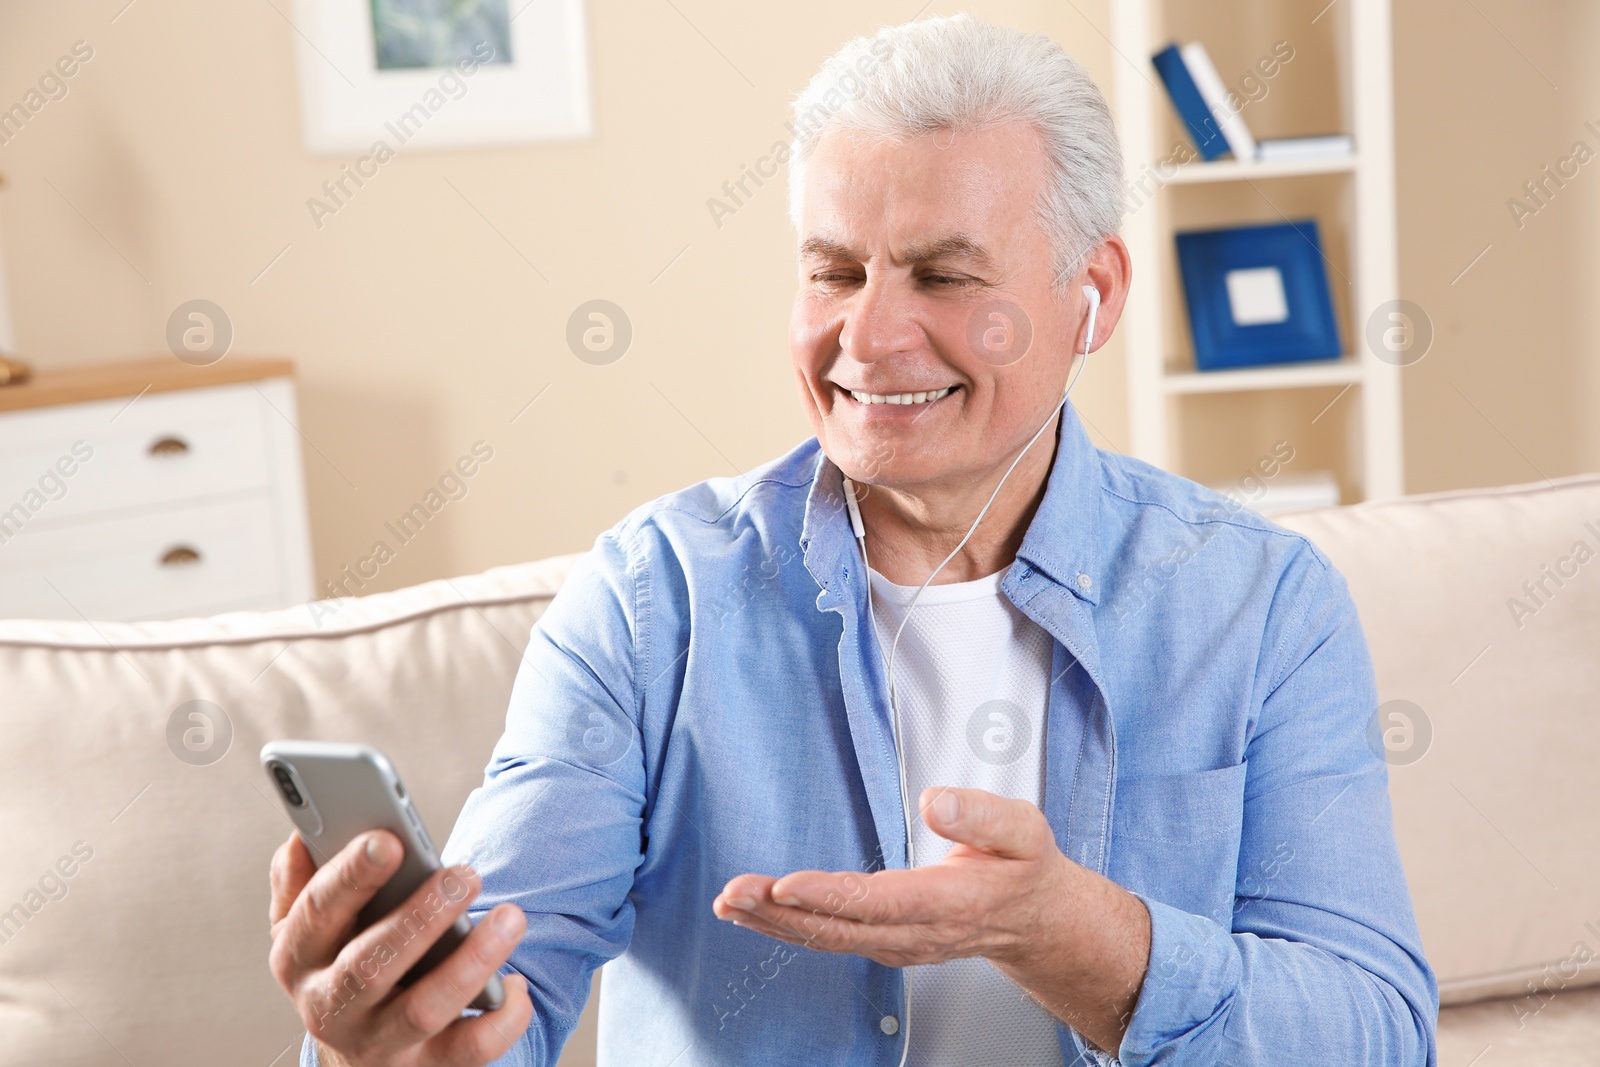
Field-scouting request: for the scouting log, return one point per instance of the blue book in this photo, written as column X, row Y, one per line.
column 1258, row 295
column 1191, row 106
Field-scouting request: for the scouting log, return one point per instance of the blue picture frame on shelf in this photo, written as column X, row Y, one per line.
column 1258, row 295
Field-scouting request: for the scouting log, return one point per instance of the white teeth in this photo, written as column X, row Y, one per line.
column 900, row 398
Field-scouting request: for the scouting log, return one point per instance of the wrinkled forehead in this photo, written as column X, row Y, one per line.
column 950, row 193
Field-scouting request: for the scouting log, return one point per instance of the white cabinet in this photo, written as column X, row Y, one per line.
column 185, row 501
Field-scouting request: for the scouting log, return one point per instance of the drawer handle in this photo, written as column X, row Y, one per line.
column 169, row 446
column 180, row 556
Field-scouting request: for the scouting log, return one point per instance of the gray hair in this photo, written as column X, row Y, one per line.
column 961, row 73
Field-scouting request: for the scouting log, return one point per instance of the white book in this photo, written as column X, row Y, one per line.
column 1204, row 74
column 1331, row 146
column 1286, row 492
column 1296, row 492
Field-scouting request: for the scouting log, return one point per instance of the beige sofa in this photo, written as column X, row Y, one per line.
column 133, row 894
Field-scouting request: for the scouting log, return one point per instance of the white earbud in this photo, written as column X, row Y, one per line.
column 1093, row 296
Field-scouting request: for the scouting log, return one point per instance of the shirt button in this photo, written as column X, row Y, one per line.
column 889, row 1025
column 1084, row 581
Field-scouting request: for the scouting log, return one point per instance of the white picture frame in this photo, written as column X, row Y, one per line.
column 348, row 105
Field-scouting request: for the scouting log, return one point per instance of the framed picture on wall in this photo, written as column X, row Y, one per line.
column 441, row 73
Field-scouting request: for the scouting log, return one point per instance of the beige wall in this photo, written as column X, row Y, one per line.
column 1511, row 389
column 419, row 329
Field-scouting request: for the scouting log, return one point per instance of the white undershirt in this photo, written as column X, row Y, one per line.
column 972, row 675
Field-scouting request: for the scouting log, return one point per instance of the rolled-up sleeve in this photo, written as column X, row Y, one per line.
column 1323, row 962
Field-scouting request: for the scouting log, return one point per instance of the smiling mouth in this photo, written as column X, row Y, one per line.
column 901, row 398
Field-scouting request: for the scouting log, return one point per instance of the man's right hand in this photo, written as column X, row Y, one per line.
column 345, row 984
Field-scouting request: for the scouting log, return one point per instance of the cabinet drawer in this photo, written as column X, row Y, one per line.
column 182, row 561
column 163, row 448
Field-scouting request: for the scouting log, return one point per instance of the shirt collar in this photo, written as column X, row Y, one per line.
column 826, row 543
column 1062, row 542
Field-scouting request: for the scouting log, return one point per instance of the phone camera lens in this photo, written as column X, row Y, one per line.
column 286, row 784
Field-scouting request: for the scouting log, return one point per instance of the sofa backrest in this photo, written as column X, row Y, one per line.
column 1482, row 611
column 133, row 899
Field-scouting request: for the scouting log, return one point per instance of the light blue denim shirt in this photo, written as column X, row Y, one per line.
column 704, row 699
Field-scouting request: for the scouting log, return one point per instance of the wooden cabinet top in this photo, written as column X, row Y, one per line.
column 156, row 374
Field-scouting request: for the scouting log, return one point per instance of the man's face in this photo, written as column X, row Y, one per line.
column 924, row 271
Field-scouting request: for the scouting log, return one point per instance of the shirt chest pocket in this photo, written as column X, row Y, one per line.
column 1175, row 837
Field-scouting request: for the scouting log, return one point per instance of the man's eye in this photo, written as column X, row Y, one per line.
column 833, row 277
column 947, row 281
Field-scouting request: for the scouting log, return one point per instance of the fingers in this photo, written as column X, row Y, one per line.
column 382, row 953
column 802, row 904
column 292, row 867
column 845, row 893
column 322, row 914
column 741, row 894
column 898, row 918
column 436, row 1000
column 471, row 1042
column 893, row 944
column 747, row 901
column 1000, row 826
column 926, row 894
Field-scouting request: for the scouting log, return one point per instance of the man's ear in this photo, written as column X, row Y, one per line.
column 1110, row 270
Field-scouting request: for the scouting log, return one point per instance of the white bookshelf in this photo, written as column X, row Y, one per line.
column 1162, row 381
column 1290, row 376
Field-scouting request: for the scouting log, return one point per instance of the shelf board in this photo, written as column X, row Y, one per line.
column 1229, row 170
column 1284, row 376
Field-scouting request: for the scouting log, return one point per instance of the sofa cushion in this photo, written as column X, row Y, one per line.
column 1482, row 610
column 133, row 903
column 1557, row 1030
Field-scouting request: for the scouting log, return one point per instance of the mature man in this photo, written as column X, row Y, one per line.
column 1131, row 720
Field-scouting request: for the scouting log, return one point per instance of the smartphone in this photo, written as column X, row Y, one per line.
column 334, row 793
